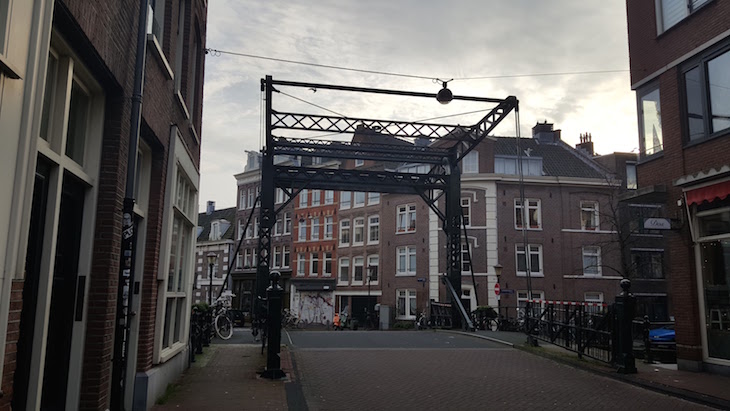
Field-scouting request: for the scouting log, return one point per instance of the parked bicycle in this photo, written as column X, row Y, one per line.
column 422, row 322
column 289, row 320
column 222, row 323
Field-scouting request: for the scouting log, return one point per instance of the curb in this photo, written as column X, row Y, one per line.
column 681, row 393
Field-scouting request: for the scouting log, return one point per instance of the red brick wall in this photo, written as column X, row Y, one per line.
column 649, row 52
column 16, row 305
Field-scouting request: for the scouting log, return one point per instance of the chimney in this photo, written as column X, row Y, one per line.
column 544, row 133
column 586, row 144
column 210, row 207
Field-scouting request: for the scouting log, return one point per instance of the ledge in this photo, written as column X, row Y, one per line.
column 8, row 69
column 157, row 51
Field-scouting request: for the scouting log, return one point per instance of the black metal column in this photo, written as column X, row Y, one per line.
column 267, row 212
column 273, row 360
column 625, row 310
column 453, row 236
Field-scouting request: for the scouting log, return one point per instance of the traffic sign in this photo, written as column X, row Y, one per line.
column 496, row 289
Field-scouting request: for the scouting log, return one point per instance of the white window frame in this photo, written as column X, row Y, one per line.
column 316, row 197
column 470, row 163
column 407, row 295
column 466, row 252
column 589, row 206
column 358, row 227
column 287, row 223
column 593, row 297
column 280, row 195
column 359, row 162
column 301, row 264
column 358, row 199
column 373, row 223
column 532, row 204
column 373, row 262
column 329, row 227
column 239, row 261
column 534, row 249
column 314, row 235
column 314, row 264
column 358, row 264
column 343, row 262
column 406, row 213
column 285, row 256
column 407, row 267
column 466, row 210
column 247, row 261
column 241, row 198
column 250, row 197
column 327, row 260
column 215, row 231
column 345, row 229
column 373, row 198
column 303, row 198
column 684, row 10
column 276, row 261
column 534, row 295
column 302, row 230
column 345, row 200
column 591, row 252
column 329, row 197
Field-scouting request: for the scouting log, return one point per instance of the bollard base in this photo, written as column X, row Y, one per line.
column 273, row 374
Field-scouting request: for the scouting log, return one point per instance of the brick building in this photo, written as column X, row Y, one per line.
column 65, row 114
column 215, row 242
column 680, row 60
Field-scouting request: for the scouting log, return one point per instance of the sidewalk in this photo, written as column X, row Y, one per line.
column 701, row 387
column 224, row 378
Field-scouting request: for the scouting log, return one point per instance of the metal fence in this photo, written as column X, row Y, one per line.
column 585, row 328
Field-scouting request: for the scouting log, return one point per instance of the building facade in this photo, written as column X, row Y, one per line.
column 67, row 74
column 214, row 248
column 680, row 56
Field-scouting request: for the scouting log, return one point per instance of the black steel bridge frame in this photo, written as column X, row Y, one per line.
column 443, row 178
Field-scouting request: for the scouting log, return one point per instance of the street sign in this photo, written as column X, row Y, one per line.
column 496, row 289
column 421, row 280
column 657, row 224
column 507, row 291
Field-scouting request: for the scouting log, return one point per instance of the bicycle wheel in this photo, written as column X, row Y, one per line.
column 493, row 324
column 223, row 327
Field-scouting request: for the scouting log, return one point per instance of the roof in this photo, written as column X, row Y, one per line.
column 204, row 220
column 558, row 159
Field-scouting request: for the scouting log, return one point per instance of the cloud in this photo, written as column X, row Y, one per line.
column 467, row 38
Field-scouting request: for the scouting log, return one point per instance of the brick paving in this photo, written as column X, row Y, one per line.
column 463, row 379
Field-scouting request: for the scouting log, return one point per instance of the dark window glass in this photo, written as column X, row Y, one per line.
column 718, row 73
column 693, row 91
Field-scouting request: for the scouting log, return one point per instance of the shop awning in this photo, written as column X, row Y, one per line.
column 709, row 193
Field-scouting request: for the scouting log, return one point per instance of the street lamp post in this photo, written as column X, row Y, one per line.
column 498, row 272
column 212, row 257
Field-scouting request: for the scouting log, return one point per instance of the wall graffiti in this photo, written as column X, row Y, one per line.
column 316, row 307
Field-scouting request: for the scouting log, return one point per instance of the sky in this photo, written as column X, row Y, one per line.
column 513, row 43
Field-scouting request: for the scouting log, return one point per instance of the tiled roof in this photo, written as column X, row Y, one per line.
column 204, row 220
column 558, row 159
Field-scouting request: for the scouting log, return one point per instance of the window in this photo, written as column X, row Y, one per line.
column 329, row 197
column 316, row 197
column 329, row 227
column 592, row 261
column 588, row 215
column 631, row 180
column 533, row 214
column 535, row 260
column 359, row 162
column 303, row 198
column 327, row 264
column 373, row 198
column 650, row 122
column 406, row 263
column 242, row 199
column 156, row 19
column 287, row 223
column 256, row 227
column 707, row 95
column 277, row 227
column 344, row 232
column 239, row 261
column 215, row 231
column 358, row 264
column 406, row 219
column 251, row 197
column 179, row 61
column 373, row 229
column 465, row 257
column 406, row 304
column 277, row 257
column 373, row 268
column 531, row 166
column 302, row 230
column 315, row 228
column 279, row 196
column 647, row 264
column 344, row 273
column 247, row 258
column 470, row 163
column 285, row 256
column 301, row 261
column 466, row 210
column 359, row 199
column 240, row 229
column 345, row 200
column 537, row 297
column 593, row 297
column 358, row 237
column 313, row 264
column 671, row 12
column 638, row 213
column 316, row 160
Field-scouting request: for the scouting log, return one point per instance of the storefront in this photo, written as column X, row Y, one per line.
column 708, row 206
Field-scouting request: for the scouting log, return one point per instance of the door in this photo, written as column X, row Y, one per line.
column 63, row 295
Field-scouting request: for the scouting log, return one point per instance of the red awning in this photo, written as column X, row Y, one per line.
column 710, row 193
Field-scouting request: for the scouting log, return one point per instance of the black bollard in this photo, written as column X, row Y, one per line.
column 625, row 310
column 273, row 322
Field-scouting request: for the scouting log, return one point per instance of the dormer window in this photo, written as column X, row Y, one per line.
column 215, row 231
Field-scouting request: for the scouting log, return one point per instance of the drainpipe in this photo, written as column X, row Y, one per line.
column 126, row 269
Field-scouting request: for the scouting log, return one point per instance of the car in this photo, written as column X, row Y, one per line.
column 661, row 335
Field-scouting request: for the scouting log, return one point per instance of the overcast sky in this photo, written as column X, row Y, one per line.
column 434, row 39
